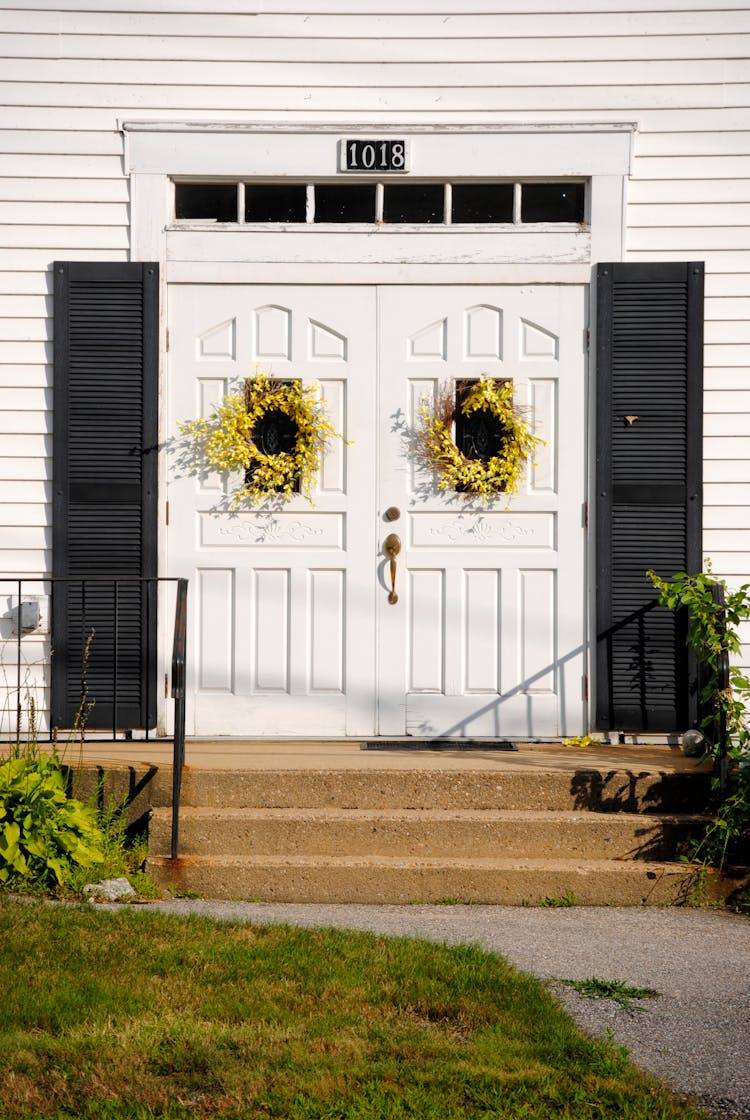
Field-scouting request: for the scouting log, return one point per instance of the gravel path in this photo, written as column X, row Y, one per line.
column 695, row 1036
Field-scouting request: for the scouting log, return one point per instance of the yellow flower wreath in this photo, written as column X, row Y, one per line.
column 225, row 441
column 500, row 474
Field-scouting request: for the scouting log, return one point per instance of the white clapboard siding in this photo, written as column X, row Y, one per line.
column 711, row 191
column 19, row 513
column 70, row 72
column 43, row 214
column 353, row 20
column 101, row 191
column 203, row 48
column 675, row 215
column 161, row 99
column 34, row 492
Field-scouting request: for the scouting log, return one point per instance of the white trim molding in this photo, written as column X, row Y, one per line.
column 157, row 151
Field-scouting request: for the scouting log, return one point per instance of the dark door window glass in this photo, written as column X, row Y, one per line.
column 482, row 202
column 479, row 435
column 206, row 201
column 275, row 202
column 413, row 202
column 350, row 202
column 552, row 202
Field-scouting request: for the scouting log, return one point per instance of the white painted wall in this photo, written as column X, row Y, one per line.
column 70, row 70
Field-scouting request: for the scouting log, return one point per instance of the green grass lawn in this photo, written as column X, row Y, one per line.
column 141, row 1015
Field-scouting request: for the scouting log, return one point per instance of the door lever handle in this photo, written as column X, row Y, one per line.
column 392, row 547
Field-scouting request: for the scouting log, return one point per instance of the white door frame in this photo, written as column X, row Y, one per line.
column 600, row 152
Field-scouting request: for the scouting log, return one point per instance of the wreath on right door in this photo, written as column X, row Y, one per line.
column 486, row 464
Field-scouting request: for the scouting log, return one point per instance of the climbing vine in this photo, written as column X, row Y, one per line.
column 713, row 629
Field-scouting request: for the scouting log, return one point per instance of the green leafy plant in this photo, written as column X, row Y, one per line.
column 437, row 450
column 623, row 994
column 556, row 902
column 45, row 835
column 712, row 630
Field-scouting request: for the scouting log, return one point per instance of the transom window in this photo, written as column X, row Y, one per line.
column 413, row 203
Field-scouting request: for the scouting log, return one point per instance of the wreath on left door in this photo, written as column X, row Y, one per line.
column 275, row 432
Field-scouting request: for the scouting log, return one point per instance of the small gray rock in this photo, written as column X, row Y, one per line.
column 109, row 890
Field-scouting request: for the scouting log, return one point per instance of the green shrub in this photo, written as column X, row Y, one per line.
column 45, row 835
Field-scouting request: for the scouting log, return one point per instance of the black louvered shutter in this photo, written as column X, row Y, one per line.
column 104, row 493
column 649, row 469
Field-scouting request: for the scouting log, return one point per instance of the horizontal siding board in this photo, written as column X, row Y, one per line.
column 727, row 283
column 101, row 191
column 34, row 491
column 22, row 141
column 25, row 283
column 28, row 468
column 574, row 22
column 724, row 502
column 727, row 519
column 27, row 537
column 25, row 422
column 728, row 424
column 727, row 308
column 24, row 561
column 719, row 260
column 726, row 470
column 26, row 306
column 725, row 402
column 92, row 117
column 693, row 144
column 720, row 332
column 65, row 166
column 672, row 215
column 33, row 376
column 353, row 75
column 34, row 260
column 65, row 237
column 708, row 189
column 696, row 239
column 24, row 514
column 160, row 99
column 65, row 213
column 14, row 329
column 727, row 355
column 691, row 167
column 369, row 49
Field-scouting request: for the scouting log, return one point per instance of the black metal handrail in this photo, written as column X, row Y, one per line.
column 178, row 667
column 179, row 652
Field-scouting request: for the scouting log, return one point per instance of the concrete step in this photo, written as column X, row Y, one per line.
column 584, row 788
column 391, row 880
column 423, row 833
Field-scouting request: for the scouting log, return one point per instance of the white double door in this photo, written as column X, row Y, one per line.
column 292, row 631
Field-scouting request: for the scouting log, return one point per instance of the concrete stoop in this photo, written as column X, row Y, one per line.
column 525, row 836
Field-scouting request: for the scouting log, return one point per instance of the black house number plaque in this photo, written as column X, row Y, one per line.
column 374, row 155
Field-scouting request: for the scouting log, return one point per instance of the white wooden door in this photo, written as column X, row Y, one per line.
column 293, row 633
column 282, row 634
column 487, row 636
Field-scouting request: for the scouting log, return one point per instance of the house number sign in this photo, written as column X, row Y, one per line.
column 374, row 155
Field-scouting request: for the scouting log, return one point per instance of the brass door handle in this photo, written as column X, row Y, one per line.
column 392, row 547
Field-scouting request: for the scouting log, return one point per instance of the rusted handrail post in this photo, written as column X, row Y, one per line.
column 179, row 650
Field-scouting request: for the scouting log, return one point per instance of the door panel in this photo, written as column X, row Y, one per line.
column 283, row 598
column 487, row 637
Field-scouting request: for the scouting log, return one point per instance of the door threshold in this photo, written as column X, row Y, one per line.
column 412, row 744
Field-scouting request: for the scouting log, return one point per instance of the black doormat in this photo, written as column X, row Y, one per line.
column 438, row 745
